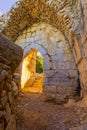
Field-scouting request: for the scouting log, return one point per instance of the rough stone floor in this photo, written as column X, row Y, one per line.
column 35, row 112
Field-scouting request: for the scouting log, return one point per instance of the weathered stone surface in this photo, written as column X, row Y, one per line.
column 12, row 124
column 4, row 101
column 28, row 68
column 14, row 88
column 6, row 98
column 57, row 29
column 53, row 14
column 3, row 74
column 7, row 67
column 3, row 98
column 49, row 88
column 3, row 21
column 58, row 60
column 11, row 52
column 61, row 99
column 8, row 113
column 81, row 127
column 10, row 97
column 1, row 127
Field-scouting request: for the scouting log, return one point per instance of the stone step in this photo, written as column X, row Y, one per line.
column 38, row 82
column 39, row 86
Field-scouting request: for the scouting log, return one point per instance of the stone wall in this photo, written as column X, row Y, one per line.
column 68, row 16
column 64, row 15
column 8, row 87
column 60, row 71
column 8, row 91
column 3, row 21
column 28, row 69
column 83, row 64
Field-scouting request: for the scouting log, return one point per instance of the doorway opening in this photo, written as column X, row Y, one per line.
column 32, row 71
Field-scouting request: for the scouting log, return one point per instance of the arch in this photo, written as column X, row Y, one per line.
column 41, row 49
column 28, row 70
column 36, row 11
column 38, row 47
column 58, row 60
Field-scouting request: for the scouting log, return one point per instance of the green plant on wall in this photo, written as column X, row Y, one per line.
column 39, row 64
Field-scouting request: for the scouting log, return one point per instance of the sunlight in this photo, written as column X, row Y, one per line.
column 36, row 87
column 38, row 53
column 25, row 73
column 32, row 72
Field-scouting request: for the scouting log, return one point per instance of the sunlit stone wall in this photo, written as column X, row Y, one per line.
column 28, row 69
column 69, row 16
column 60, row 71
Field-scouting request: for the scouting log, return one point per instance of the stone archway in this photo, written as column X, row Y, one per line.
column 59, row 64
column 37, row 47
column 28, row 75
column 39, row 12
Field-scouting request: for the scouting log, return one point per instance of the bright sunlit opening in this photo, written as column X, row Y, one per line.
column 32, row 72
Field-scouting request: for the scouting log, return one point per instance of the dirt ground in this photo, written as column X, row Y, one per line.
column 34, row 112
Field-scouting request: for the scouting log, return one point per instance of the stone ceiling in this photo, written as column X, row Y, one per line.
column 27, row 12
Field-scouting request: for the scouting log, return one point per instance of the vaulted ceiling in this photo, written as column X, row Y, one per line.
column 27, row 12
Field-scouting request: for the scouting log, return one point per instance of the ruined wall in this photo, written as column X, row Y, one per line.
column 3, row 20
column 69, row 16
column 61, row 74
column 10, row 57
column 8, row 92
column 63, row 15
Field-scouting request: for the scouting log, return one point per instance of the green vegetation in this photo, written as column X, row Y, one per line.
column 39, row 64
